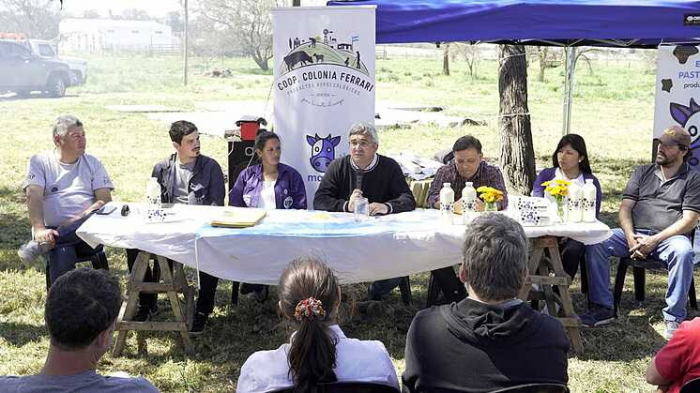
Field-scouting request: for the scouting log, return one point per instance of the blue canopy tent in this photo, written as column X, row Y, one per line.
column 570, row 23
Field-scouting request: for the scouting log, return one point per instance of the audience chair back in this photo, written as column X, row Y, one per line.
column 691, row 386
column 535, row 388
column 349, row 387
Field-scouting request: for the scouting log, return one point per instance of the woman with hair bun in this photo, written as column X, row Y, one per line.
column 318, row 351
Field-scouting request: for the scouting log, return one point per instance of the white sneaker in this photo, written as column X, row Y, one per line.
column 671, row 327
column 31, row 250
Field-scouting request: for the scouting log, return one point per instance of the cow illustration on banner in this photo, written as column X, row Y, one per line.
column 677, row 93
column 324, row 82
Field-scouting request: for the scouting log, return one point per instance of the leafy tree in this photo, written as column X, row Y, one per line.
column 247, row 21
column 34, row 18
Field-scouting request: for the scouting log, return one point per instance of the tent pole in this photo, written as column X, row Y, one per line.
column 569, row 87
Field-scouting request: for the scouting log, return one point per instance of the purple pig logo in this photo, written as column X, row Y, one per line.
column 322, row 151
column 686, row 117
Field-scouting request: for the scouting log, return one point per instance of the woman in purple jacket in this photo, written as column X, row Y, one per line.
column 268, row 185
column 570, row 161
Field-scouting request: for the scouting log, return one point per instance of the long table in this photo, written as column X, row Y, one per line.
column 372, row 249
column 377, row 248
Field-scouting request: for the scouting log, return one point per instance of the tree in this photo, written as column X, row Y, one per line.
column 34, row 18
column 175, row 21
column 135, row 14
column 517, row 152
column 446, row 58
column 248, row 21
column 471, row 55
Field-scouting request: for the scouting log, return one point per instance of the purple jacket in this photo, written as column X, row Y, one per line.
column 290, row 192
column 548, row 174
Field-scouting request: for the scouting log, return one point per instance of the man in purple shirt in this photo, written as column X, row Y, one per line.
column 467, row 166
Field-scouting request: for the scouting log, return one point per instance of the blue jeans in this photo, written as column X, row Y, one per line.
column 676, row 252
column 68, row 250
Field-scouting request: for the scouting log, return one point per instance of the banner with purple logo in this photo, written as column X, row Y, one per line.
column 678, row 93
column 323, row 83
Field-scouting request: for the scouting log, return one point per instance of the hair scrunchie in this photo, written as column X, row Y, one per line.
column 309, row 308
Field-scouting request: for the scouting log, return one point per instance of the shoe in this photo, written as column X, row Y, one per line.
column 671, row 327
column 200, row 320
column 145, row 313
column 597, row 316
column 31, row 250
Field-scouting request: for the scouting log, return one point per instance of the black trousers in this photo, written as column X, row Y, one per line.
column 572, row 252
column 207, row 294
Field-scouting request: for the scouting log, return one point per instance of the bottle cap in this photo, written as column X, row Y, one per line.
column 468, row 184
column 445, row 184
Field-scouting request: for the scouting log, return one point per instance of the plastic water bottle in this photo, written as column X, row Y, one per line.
column 588, row 204
column 153, row 193
column 468, row 202
column 361, row 211
column 573, row 206
column 447, row 203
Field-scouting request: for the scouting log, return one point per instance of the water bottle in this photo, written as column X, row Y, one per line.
column 573, row 206
column 468, row 202
column 588, row 204
column 361, row 211
column 153, row 193
column 447, row 203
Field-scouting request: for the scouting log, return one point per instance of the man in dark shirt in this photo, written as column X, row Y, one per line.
column 660, row 206
column 467, row 166
column 364, row 173
column 490, row 340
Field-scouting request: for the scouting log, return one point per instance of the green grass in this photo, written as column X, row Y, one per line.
column 613, row 110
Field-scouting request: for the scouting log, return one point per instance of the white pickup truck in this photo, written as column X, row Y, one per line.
column 45, row 49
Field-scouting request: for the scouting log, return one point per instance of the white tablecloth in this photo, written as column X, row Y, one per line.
column 378, row 248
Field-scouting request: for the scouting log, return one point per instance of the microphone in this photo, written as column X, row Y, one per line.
column 359, row 174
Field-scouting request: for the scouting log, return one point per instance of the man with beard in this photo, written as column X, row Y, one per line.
column 659, row 208
column 192, row 178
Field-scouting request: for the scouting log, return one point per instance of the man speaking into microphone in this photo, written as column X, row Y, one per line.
column 364, row 173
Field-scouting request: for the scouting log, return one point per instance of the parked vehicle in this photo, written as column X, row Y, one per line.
column 22, row 71
column 45, row 49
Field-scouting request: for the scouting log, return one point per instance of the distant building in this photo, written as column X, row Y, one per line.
column 108, row 35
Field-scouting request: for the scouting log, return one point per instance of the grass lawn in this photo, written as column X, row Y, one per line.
column 613, row 111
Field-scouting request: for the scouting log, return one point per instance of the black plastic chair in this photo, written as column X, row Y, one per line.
column 349, row 387
column 535, row 388
column 692, row 386
column 639, row 267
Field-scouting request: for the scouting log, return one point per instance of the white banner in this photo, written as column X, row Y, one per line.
column 324, row 82
column 678, row 93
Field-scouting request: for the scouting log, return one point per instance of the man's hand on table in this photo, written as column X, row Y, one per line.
column 378, row 209
column 356, row 193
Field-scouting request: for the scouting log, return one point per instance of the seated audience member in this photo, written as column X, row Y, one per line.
column 80, row 313
column 268, row 185
column 570, row 163
column 186, row 177
column 679, row 361
column 659, row 209
column 64, row 186
column 364, row 173
column 490, row 340
column 318, row 352
column 467, row 166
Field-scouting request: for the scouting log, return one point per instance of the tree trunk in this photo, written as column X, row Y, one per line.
column 260, row 60
column 517, row 152
column 446, row 59
column 543, row 62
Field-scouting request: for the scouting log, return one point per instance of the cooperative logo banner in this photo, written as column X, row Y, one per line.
column 678, row 93
column 323, row 82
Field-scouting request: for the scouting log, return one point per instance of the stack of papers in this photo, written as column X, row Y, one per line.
column 239, row 218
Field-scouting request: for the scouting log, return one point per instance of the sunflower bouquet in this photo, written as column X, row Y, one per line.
column 558, row 190
column 490, row 196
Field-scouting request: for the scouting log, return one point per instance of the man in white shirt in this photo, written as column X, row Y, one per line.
column 64, row 186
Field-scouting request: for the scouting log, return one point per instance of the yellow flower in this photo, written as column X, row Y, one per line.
column 563, row 182
column 546, row 184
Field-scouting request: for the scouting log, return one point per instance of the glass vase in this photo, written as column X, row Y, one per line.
column 490, row 207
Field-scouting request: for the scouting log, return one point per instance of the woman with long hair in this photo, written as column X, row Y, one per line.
column 267, row 185
column 569, row 162
column 318, row 351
